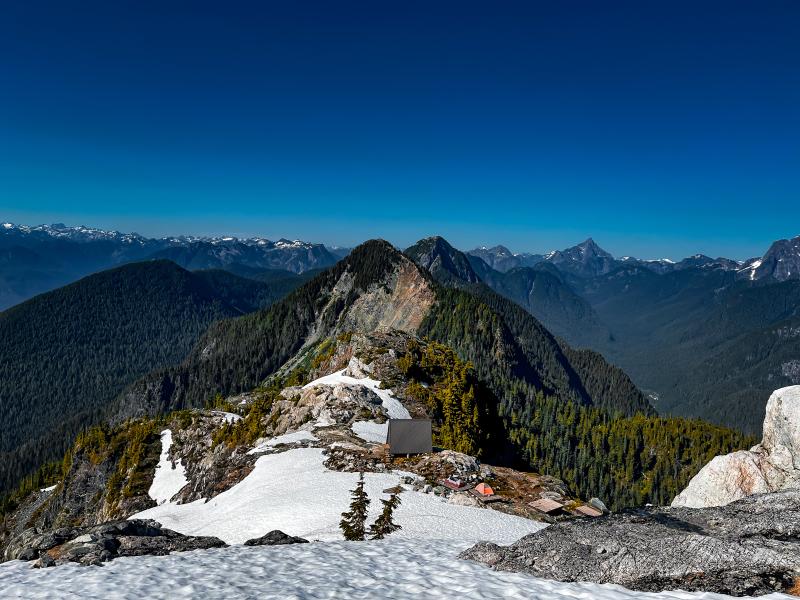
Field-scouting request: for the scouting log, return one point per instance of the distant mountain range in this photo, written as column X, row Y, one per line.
column 780, row 263
column 502, row 259
column 37, row 259
column 706, row 337
column 541, row 289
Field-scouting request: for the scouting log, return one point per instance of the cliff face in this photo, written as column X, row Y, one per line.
column 771, row 466
column 399, row 302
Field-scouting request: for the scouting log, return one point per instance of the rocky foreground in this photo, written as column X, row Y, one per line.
column 102, row 543
column 749, row 547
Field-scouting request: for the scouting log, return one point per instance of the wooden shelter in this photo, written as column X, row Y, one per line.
column 547, row 506
column 588, row 511
column 409, row 436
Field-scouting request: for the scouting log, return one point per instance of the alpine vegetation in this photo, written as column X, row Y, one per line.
column 384, row 525
column 353, row 523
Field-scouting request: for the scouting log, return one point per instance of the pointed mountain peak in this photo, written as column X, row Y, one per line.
column 500, row 249
column 444, row 262
column 590, row 246
column 587, row 259
column 437, row 241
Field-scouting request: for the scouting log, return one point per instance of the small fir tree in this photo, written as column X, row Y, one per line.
column 384, row 525
column 354, row 521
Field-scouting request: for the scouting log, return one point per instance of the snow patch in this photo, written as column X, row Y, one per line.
column 228, row 416
column 369, row 431
column 294, row 437
column 393, row 406
column 169, row 479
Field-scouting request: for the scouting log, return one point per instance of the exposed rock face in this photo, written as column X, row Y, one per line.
column 101, row 543
column 402, row 303
column 339, row 403
column 772, row 465
column 781, row 262
column 210, row 470
column 275, row 538
column 746, row 548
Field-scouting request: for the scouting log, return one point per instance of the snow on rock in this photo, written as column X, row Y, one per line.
column 771, row 466
column 294, row 492
column 369, row 431
column 229, row 417
column 391, row 569
column 295, row 437
column 393, row 406
column 168, row 479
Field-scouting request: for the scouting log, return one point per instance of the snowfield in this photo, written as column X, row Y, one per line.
column 294, row 492
column 168, row 480
column 391, row 569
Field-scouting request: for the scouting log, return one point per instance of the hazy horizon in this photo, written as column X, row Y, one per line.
column 161, row 230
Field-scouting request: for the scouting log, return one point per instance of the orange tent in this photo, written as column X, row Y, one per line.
column 484, row 490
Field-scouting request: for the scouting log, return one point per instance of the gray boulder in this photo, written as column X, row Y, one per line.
column 275, row 538
column 771, row 466
column 749, row 547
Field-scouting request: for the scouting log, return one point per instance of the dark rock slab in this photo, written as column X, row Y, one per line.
column 101, row 543
column 275, row 538
column 750, row 547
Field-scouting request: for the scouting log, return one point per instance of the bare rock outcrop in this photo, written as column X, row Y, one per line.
column 275, row 538
column 749, row 547
column 772, row 465
column 102, row 543
column 338, row 403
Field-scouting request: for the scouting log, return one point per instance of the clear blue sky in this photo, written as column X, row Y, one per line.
column 660, row 129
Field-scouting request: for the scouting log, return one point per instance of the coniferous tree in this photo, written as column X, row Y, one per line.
column 354, row 521
column 384, row 525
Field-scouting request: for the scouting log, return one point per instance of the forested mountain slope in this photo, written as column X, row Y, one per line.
column 558, row 411
column 557, row 405
column 376, row 286
column 704, row 337
column 66, row 353
column 704, row 342
column 540, row 290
